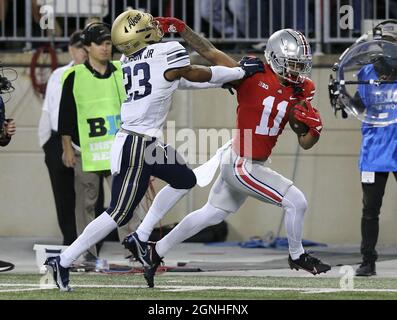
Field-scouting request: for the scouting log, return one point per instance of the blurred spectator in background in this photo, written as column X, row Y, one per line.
column 3, row 10
column 62, row 178
column 212, row 12
column 259, row 16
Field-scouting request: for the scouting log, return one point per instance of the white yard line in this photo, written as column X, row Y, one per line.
column 24, row 289
column 181, row 288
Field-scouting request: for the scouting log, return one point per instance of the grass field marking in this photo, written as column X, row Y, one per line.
column 330, row 291
column 326, row 290
column 23, row 289
column 20, row 285
column 181, row 288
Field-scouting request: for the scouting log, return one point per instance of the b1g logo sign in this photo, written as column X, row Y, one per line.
column 98, row 126
column 105, row 130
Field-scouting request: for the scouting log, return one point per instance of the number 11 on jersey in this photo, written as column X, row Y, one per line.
column 263, row 127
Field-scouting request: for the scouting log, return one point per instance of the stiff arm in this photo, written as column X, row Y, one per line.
column 208, row 51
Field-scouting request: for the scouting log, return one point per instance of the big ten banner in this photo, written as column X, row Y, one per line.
column 102, row 128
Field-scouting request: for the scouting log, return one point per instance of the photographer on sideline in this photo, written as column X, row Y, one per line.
column 378, row 153
column 370, row 64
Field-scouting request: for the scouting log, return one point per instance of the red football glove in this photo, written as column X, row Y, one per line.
column 171, row 25
column 309, row 117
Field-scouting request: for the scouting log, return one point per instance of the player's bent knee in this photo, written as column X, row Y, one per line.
column 295, row 198
column 215, row 215
column 188, row 181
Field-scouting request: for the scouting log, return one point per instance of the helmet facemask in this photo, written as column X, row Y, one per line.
column 153, row 30
column 296, row 70
column 293, row 70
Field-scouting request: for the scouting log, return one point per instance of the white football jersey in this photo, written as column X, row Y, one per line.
column 149, row 94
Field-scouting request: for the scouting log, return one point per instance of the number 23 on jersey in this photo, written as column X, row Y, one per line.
column 139, row 78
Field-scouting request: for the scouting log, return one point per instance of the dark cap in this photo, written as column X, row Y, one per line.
column 97, row 33
column 390, row 30
column 75, row 39
column 386, row 30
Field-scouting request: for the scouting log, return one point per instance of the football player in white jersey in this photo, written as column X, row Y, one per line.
column 152, row 72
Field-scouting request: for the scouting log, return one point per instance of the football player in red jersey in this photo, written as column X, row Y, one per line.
column 264, row 103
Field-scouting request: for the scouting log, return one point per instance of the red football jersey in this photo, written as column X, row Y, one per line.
column 263, row 110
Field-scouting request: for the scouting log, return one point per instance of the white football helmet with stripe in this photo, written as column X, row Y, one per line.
column 289, row 55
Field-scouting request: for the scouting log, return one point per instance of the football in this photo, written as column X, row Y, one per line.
column 297, row 126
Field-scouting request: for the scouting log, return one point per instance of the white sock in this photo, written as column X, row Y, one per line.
column 95, row 231
column 190, row 225
column 162, row 203
column 294, row 204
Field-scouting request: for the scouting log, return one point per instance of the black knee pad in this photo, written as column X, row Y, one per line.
column 188, row 181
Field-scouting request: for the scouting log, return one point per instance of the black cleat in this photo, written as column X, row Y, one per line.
column 308, row 263
column 366, row 269
column 138, row 248
column 59, row 273
column 155, row 259
column 6, row 266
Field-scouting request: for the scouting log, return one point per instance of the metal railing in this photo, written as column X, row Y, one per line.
column 347, row 20
column 222, row 21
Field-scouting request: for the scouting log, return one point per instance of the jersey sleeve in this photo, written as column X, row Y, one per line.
column 67, row 120
column 309, row 90
column 54, row 86
column 177, row 56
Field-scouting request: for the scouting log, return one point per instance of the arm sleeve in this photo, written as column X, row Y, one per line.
column 67, row 122
column 44, row 130
column 189, row 85
column 223, row 75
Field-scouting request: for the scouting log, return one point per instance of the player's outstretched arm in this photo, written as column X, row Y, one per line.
column 204, row 47
column 204, row 74
column 214, row 74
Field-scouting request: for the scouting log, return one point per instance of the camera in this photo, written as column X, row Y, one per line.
column 5, row 84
